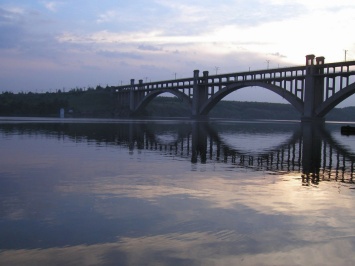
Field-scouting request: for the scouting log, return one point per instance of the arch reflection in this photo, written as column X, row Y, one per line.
column 306, row 149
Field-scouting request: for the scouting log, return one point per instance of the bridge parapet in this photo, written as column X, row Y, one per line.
column 337, row 76
column 290, row 78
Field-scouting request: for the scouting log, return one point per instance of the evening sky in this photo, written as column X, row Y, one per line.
column 52, row 45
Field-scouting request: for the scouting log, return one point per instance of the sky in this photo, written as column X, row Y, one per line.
column 52, row 45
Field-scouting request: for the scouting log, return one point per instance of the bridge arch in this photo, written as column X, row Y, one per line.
column 217, row 97
column 150, row 96
column 335, row 99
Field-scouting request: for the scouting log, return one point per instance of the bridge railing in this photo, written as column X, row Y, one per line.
column 176, row 84
column 259, row 75
column 346, row 68
column 221, row 79
column 337, row 76
column 185, row 83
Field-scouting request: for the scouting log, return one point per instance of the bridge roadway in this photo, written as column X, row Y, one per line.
column 313, row 89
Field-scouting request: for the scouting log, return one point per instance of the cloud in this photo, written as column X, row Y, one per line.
column 11, row 31
column 117, row 54
column 23, row 31
column 106, row 17
column 52, row 5
column 277, row 54
column 145, row 47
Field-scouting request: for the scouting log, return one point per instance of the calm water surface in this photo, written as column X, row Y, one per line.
column 106, row 192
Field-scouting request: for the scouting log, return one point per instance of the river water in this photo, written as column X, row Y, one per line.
column 119, row 192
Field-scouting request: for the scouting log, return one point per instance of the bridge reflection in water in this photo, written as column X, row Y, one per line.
column 304, row 149
column 310, row 151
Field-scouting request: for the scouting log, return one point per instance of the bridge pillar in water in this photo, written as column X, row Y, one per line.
column 313, row 88
column 200, row 93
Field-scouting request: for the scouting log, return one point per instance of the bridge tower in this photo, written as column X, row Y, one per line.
column 314, row 88
column 200, row 93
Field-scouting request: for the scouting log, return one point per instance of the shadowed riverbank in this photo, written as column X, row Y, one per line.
column 101, row 103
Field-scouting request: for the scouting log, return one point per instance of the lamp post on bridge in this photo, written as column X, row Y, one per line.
column 216, row 68
column 345, row 51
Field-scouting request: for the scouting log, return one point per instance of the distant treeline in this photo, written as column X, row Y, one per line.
column 101, row 102
column 78, row 102
column 173, row 107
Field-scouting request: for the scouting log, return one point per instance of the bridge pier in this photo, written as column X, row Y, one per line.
column 314, row 89
column 132, row 105
column 200, row 95
column 135, row 96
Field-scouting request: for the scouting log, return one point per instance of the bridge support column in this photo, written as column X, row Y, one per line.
column 314, row 89
column 122, row 103
column 195, row 103
column 135, row 96
column 132, row 105
column 200, row 94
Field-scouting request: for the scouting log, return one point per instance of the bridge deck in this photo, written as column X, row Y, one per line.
column 343, row 69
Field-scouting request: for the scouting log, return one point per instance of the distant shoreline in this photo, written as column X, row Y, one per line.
column 102, row 104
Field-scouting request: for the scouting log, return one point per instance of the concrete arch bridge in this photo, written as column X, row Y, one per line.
column 313, row 89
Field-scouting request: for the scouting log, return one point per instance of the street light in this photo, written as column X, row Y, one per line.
column 216, row 68
column 268, row 62
column 345, row 51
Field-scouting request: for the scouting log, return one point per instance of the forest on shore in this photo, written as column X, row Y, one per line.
column 102, row 102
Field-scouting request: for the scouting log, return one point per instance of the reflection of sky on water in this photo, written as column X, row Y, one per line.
column 95, row 204
column 166, row 138
column 255, row 142
column 347, row 142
